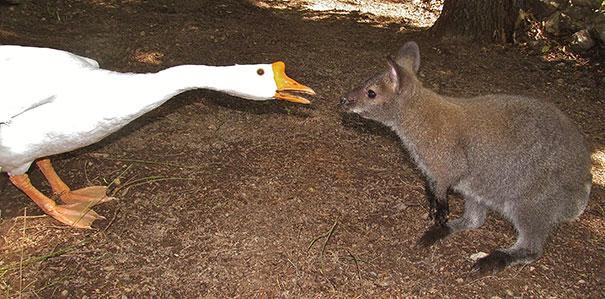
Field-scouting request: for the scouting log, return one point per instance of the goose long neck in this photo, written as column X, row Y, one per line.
column 137, row 94
column 154, row 89
column 181, row 78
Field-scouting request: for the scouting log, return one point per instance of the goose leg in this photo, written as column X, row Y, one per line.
column 91, row 195
column 78, row 215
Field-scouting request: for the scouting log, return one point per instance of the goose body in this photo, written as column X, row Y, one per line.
column 52, row 101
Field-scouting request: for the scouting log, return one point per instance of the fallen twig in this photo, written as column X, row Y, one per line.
column 327, row 235
column 330, row 233
column 356, row 264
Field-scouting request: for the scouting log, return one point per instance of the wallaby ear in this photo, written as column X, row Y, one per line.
column 394, row 72
column 409, row 56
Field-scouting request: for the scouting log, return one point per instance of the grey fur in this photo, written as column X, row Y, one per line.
column 519, row 156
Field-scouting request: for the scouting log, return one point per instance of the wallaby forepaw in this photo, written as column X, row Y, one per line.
column 433, row 234
column 493, row 263
column 441, row 212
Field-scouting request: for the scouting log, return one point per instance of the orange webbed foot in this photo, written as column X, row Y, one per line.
column 92, row 195
column 78, row 215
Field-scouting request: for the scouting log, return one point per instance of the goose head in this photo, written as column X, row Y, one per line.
column 261, row 82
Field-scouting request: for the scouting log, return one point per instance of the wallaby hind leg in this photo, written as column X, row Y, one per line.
column 532, row 233
column 473, row 217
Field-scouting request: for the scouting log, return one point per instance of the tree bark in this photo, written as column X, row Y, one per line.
column 478, row 20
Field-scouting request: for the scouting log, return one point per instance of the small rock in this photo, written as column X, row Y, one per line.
column 496, row 297
column 581, row 281
column 459, row 280
column 401, row 206
column 476, row 256
column 553, row 3
column 551, row 24
column 582, row 40
column 509, row 293
column 64, row 293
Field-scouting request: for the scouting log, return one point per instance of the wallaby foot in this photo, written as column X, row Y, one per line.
column 434, row 234
column 528, row 248
column 493, row 263
column 498, row 260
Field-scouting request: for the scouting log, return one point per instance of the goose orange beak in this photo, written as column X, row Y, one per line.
column 286, row 85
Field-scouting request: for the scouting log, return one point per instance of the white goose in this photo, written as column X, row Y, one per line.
column 53, row 101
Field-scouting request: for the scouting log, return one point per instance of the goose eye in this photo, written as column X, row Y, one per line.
column 260, row 72
column 371, row 94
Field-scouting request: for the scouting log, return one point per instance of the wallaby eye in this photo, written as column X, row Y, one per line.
column 260, row 72
column 371, row 94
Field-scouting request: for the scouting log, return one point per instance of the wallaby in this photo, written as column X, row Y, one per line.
column 518, row 156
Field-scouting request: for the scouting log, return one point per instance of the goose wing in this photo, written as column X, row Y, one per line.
column 31, row 77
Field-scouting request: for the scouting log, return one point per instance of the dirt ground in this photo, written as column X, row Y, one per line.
column 223, row 197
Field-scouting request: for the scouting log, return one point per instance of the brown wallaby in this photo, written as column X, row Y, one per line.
column 518, row 156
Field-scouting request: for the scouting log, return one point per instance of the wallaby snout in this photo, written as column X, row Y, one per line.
column 350, row 103
column 344, row 103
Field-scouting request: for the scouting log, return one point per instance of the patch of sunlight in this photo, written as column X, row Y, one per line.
column 7, row 33
column 148, row 57
column 598, row 167
column 595, row 225
column 412, row 13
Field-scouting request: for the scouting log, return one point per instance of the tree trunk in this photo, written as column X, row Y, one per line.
column 487, row 20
